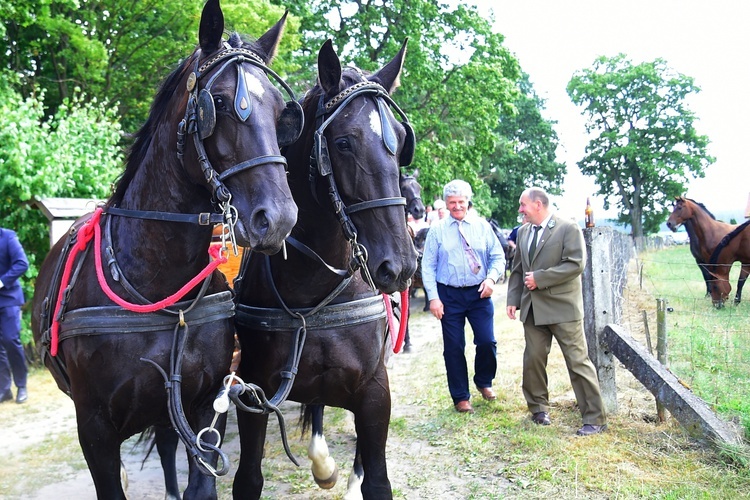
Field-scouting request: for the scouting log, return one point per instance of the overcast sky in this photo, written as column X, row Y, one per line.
column 709, row 41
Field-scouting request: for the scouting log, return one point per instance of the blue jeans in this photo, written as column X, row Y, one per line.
column 12, row 356
column 459, row 305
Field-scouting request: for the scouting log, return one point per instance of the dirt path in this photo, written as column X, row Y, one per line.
column 43, row 432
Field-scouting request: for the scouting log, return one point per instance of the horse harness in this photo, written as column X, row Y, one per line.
column 325, row 316
column 320, row 160
column 199, row 121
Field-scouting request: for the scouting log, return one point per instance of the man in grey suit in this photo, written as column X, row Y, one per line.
column 545, row 287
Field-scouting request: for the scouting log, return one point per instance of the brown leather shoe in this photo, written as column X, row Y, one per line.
column 541, row 418
column 591, row 429
column 464, row 407
column 487, row 393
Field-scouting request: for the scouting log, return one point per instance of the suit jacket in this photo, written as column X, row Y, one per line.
column 557, row 266
column 13, row 264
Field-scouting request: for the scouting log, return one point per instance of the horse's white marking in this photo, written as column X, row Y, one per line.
column 323, row 466
column 354, row 487
column 375, row 125
column 254, row 86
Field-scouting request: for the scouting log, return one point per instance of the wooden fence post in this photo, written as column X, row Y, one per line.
column 599, row 307
column 661, row 347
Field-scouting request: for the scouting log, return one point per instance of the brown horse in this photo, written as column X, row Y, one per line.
column 719, row 245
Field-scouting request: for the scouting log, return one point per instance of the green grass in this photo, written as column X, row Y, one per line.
column 708, row 348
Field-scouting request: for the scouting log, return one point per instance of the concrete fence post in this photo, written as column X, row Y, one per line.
column 599, row 307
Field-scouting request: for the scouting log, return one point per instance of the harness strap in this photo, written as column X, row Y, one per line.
column 382, row 202
column 202, row 219
column 245, row 165
column 332, row 316
column 309, row 252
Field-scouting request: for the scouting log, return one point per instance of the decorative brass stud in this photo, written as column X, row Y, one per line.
column 192, row 78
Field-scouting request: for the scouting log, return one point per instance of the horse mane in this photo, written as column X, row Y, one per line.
column 160, row 111
column 703, row 207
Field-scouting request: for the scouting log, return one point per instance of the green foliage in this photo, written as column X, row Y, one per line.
column 458, row 78
column 524, row 156
column 645, row 147
column 74, row 153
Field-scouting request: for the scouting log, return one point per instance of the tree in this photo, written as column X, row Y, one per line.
column 74, row 153
column 458, row 78
column 645, row 148
column 118, row 50
column 524, row 156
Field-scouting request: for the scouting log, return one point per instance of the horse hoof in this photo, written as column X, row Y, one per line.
column 329, row 483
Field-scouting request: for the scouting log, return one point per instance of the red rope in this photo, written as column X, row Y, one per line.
column 397, row 340
column 92, row 229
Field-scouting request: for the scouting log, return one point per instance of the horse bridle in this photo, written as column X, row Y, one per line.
column 200, row 120
column 320, row 160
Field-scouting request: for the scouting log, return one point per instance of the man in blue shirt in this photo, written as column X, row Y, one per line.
column 13, row 264
column 462, row 261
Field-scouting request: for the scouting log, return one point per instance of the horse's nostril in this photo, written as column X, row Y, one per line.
column 260, row 222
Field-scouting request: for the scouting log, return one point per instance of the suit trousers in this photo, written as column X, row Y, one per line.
column 581, row 370
column 459, row 305
column 12, row 356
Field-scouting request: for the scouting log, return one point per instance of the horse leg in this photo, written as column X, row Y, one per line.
column 166, row 440
column 407, row 340
column 354, row 485
column 744, row 272
column 372, row 415
column 706, row 277
column 100, row 444
column 426, row 301
column 248, row 480
column 200, row 486
column 324, row 468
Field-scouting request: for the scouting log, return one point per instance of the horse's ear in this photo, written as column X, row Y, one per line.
column 415, row 174
column 329, row 68
column 212, row 27
column 269, row 42
column 388, row 76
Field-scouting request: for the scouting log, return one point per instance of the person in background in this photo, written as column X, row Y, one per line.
column 545, row 287
column 462, row 261
column 13, row 263
column 438, row 212
column 514, row 233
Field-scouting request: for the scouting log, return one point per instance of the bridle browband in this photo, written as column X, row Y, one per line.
column 320, row 163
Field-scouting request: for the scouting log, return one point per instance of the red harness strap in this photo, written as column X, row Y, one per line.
column 91, row 229
column 398, row 340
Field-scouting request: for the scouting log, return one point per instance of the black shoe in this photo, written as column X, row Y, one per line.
column 590, row 429
column 22, row 396
column 8, row 396
column 541, row 418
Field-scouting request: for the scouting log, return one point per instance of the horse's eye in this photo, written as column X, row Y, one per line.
column 343, row 144
column 219, row 103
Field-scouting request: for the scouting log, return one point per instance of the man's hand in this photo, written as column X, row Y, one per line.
column 436, row 308
column 511, row 310
column 486, row 288
column 529, row 281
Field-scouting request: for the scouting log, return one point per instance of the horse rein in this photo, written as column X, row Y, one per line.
column 320, row 163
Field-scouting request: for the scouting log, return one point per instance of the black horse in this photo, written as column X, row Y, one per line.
column 317, row 313
column 411, row 190
column 508, row 250
column 136, row 325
